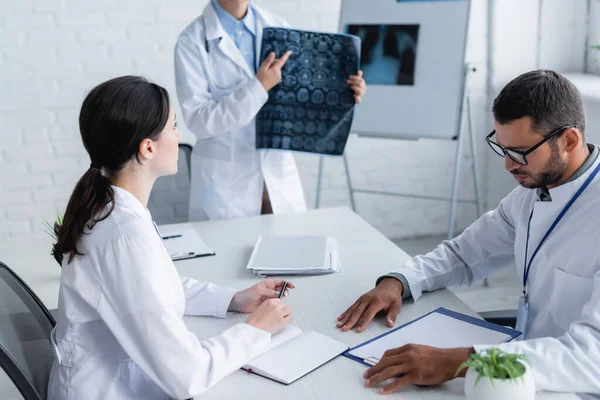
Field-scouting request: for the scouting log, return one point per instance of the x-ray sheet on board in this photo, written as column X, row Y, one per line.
column 311, row 109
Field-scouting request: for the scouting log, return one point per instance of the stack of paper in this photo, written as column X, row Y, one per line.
column 294, row 255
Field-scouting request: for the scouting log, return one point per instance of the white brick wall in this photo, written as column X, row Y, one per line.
column 593, row 56
column 53, row 51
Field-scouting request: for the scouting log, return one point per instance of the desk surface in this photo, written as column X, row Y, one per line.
column 365, row 254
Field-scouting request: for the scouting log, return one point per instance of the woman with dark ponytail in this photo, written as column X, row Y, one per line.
column 120, row 331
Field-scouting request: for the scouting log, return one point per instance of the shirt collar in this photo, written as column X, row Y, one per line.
column 127, row 201
column 545, row 194
column 587, row 164
column 230, row 24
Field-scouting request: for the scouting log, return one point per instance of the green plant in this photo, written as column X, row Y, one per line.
column 49, row 227
column 496, row 364
column 596, row 47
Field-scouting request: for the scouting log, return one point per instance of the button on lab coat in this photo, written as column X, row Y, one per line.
column 563, row 342
column 220, row 97
column 120, row 332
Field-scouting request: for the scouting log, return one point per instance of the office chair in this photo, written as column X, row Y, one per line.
column 26, row 352
column 169, row 200
column 187, row 153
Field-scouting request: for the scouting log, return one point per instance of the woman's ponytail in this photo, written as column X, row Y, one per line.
column 85, row 208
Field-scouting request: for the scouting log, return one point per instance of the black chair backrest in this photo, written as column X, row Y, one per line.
column 26, row 352
column 169, row 200
column 186, row 149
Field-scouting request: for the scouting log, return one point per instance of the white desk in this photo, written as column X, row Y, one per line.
column 365, row 254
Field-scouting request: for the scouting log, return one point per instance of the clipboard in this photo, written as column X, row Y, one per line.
column 184, row 244
column 468, row 327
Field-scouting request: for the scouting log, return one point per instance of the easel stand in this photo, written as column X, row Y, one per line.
column 453, row 199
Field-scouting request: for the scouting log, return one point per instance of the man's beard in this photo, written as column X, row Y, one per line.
column 553, row 171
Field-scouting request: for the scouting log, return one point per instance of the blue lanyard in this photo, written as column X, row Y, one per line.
column 556, row 221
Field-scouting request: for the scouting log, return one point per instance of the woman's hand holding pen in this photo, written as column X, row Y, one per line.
column 271, row 316
column 269, row 313
column 248, row 300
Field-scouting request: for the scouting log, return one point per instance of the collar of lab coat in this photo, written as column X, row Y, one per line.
column 214, row 30
column 563, row 193
column 124, row 199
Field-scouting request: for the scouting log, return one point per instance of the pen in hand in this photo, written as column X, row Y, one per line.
column 282, row 292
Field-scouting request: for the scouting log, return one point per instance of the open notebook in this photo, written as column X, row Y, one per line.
column 293, row 354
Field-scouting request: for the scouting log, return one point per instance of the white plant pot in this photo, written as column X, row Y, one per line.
column 521, row 389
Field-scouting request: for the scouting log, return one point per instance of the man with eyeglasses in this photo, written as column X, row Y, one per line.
column 549, row 226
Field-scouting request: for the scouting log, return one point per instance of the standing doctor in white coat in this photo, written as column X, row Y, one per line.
column 549, row 226
column 120, row 332
column 220, row 91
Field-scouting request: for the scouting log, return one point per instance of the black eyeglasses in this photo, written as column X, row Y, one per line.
column 520, row 156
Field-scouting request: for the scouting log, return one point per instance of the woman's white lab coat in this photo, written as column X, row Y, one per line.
column 120, row 332
column 219, row 97
column 563, row 341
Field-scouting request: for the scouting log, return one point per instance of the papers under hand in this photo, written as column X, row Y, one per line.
column 441, row 328
column 294, row 255
column 186, row 243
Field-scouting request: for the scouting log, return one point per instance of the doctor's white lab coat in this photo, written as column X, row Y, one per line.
column 563, row 342
column 120, row 332
column 220, row 97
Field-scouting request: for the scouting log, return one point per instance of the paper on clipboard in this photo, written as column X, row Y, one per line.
column 441, row 328
column 185, row 243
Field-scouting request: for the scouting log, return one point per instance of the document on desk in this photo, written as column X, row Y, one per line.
column 293, row 354
column 294, row 255
column 441, row 328
column 185, row 243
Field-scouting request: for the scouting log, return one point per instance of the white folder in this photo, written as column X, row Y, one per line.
column 294, row 255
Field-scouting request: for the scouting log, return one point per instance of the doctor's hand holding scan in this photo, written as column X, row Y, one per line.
column 119, row 331
column 547, row 227
column 269, row 73
column 221, row 88
column 358, row 85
